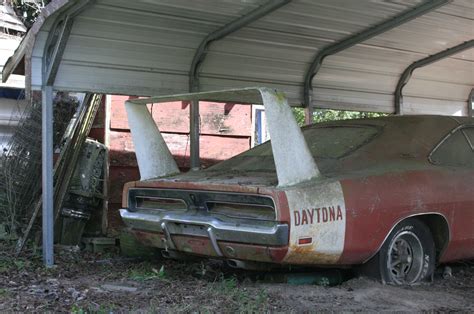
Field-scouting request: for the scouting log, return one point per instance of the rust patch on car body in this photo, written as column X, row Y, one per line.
column 306, row 254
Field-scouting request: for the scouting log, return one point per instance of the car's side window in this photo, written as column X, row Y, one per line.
column 469, row 131
column 455, row 150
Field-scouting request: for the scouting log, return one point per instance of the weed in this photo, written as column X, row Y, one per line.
column 227, row 285
column 4, row 266
column 252, row 303
column 240, row 299
column 4, row 292
column 19, row 264
column 146, row 272
column 101, row 309
column 9, row 264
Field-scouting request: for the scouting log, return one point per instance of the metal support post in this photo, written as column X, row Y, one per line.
column 308, row 114
column 194, row 135
column 470, row 103
column 47, row 178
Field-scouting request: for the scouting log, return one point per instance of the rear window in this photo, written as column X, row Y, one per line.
column 328, row 142
column 338, row 141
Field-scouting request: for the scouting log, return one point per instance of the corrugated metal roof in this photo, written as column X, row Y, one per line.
column 8, row 44
column 9, row 21
column 146, row 47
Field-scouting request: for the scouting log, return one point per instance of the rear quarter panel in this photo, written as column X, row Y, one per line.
column 376, row 204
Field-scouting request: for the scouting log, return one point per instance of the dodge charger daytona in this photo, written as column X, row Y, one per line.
column 394, row 194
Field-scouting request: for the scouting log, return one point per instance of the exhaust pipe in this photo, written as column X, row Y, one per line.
column 166, row 254
column 233, row 263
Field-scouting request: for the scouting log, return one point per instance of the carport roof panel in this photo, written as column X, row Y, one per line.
column 146, row 48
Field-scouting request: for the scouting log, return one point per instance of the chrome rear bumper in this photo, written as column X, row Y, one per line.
column 196, row 224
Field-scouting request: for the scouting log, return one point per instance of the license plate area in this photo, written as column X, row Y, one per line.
column 187, row 229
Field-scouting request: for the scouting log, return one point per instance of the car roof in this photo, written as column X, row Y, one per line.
column 400, row 141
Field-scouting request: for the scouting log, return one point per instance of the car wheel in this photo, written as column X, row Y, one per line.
column 408, row 254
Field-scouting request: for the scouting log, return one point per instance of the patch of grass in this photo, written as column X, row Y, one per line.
column 227, row 285
column 20, row 264
column 101, row 309
column 255, row 303
column 8, row 264
column 4, row 292
column 4, row 266
column 240, row 299
column 146, row 271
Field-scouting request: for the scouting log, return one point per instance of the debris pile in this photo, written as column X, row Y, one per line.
column 85, row 195
column 20, row 162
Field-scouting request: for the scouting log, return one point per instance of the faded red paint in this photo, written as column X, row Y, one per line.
column 375, row 197
column 203, row 246
column 243, row 251
column 375, row 204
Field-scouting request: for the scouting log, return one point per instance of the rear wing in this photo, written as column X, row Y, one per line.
column 293, row 160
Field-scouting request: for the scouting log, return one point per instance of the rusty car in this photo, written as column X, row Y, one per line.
column 394, row 194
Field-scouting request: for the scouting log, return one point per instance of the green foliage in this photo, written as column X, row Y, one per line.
column 227, row 285
column 240, row 300
column 145, row 272
column 299, row 114
column 96, row 309
column 8, row 264
column 323, row 115
column 28, row 11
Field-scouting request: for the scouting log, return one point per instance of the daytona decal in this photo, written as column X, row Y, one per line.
column 317, row 215
column 317, row 212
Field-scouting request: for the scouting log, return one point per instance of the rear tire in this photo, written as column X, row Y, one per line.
column 407, row 256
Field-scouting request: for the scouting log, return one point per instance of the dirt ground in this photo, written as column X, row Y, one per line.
column 84, row 283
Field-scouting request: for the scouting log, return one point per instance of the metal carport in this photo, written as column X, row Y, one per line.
column 359, row 50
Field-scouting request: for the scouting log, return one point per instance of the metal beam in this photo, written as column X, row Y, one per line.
column 350, row 41
column 470, row 103
column 47, row 178
column 200, row 56
column 55, row 49
column 57, row 40
column 406, row 75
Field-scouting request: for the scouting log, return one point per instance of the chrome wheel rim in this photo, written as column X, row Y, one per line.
column 405, row 258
